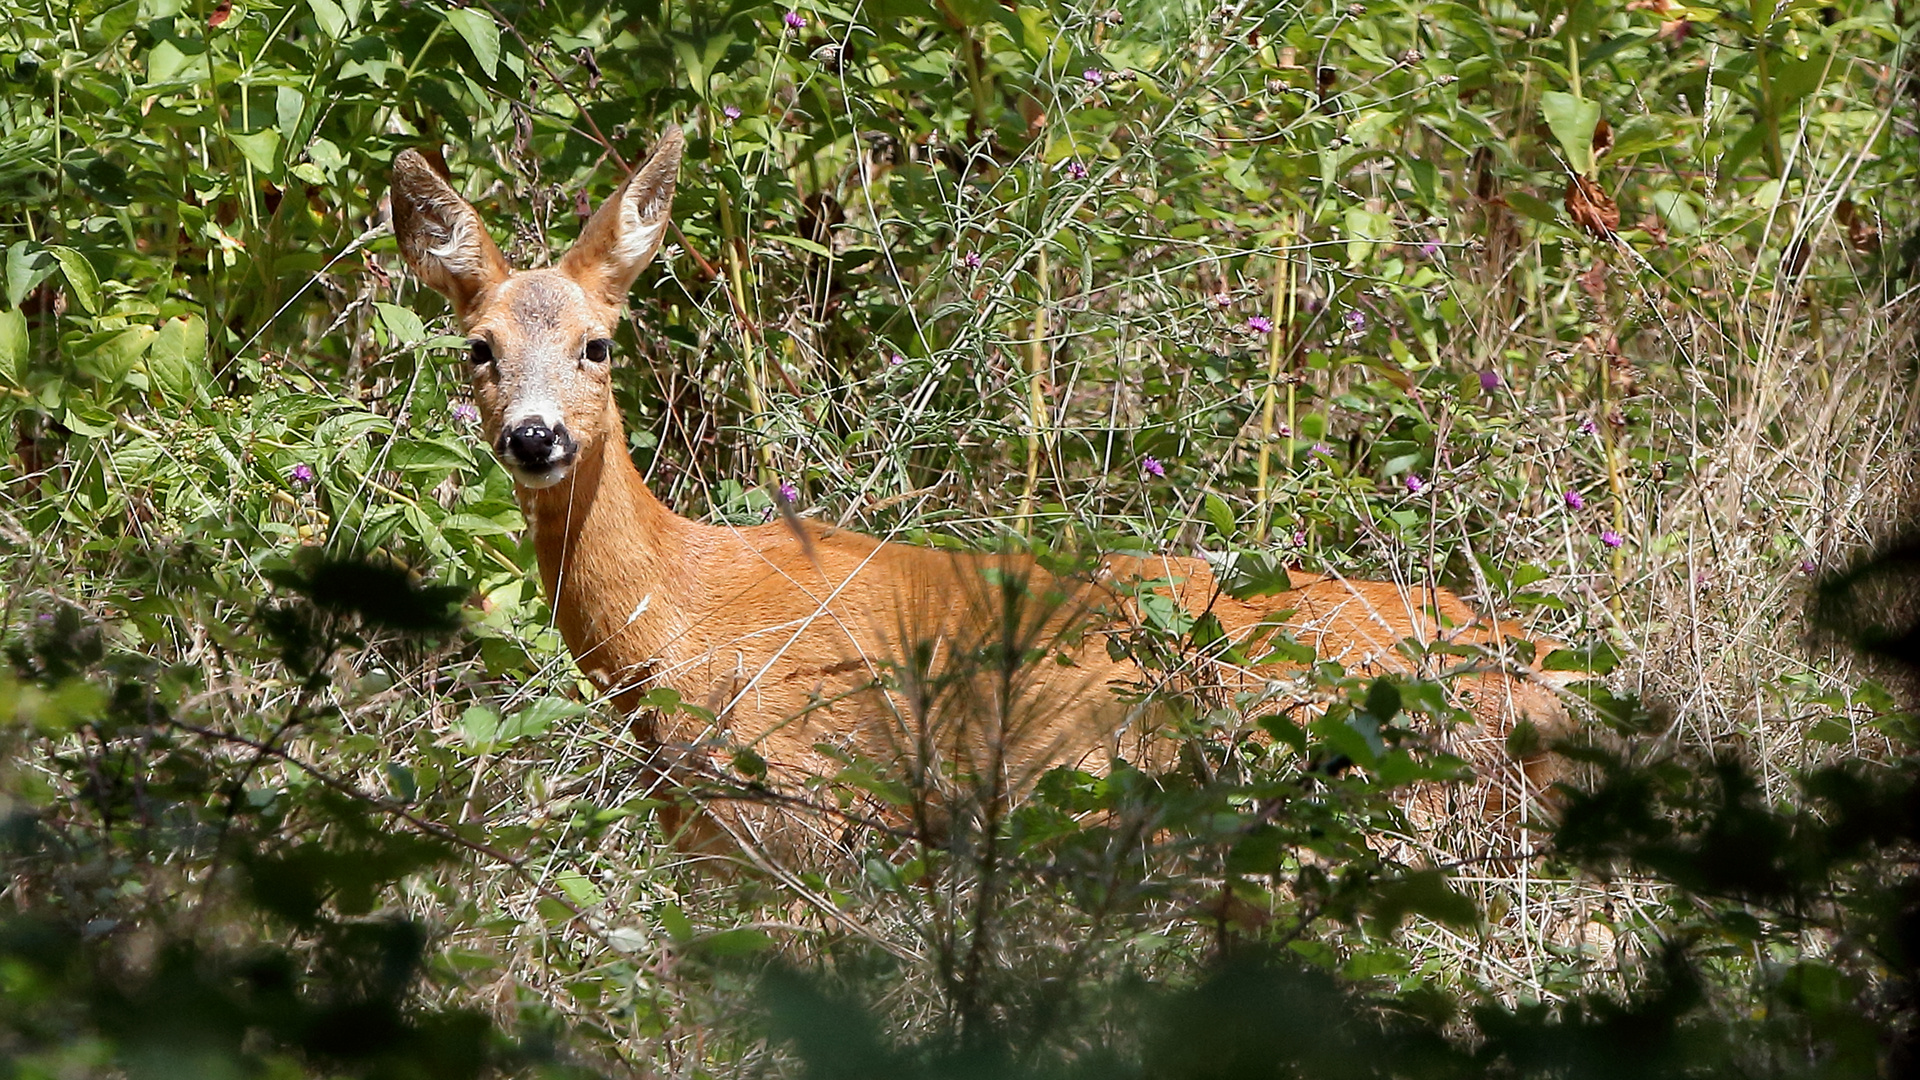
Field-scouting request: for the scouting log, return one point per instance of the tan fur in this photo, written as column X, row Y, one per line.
column 797, row 636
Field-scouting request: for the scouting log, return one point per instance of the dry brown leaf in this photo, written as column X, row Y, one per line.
column 1592, row 208
column 1862, row 235
column 1602, row 138
column 1594, row 281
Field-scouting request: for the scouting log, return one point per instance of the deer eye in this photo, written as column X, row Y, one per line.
column 599, row 349
column 480, row 352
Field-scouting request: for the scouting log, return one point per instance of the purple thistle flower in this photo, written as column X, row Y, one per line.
column 971, row 260
column 788, row 493
column 1260, row 324
column 1094, row 76
column 302, row 474
column 1321, row 449
column 1151, row 466
column 731, row 112
column 1574, row 501
column 1415, row 485
column 465, row 413
column 1611, row 539
column 1076, row 170
column 1357, row 321
column 794, row 20
column 1489, row 380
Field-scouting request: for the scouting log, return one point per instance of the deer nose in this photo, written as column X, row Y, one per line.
column 533, row 444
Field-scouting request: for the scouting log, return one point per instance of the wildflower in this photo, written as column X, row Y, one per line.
column 1260, row 324
column 1415, row 485
column 1611, row 539
column 1094, row 76
column 1322, row 449
column 1283, row 429
column 971, row 260
column 1586, row 426
column 1357, row 321
column 1151, row 466
column 465, row 413
column 302, row 474
column 1429, row 250
column 795, row 20
column 896, row 360
column 1076, row 170
column 1489, row 380
column 1809, row 567
column 731, row 112
column 788, row 493
column 1574, row 501
column 1299, row 538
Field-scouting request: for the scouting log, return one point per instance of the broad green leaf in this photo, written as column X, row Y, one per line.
column 1572, row 121
column 112, row 355
column 332, row 20
column 261, row 148
column 80, row 277
column 26, row 268
column 289, row 108
column 481, row 34
column 13, row 347
column 176, row 361
column 402, row 324
column 578, row 888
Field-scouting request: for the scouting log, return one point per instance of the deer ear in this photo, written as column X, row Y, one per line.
column 440, row 235
column 623, row 236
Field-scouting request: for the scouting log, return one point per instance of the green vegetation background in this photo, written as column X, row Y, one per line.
column 1301, row 280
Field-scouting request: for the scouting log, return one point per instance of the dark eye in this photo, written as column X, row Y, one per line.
column 599, row 349
column 480, row 352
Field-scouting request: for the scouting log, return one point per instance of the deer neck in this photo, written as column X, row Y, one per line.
column 612, row 560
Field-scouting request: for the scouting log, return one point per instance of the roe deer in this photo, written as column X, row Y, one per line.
column 796, row 635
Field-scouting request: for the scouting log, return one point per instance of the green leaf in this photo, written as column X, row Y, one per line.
column 1532, row 206
column 481, row 34
column 1572, row 120
column 578, row 888
column 26, row 269
column 80, row 277
column 261, row 148
column 332, row 20
column 1426, row 893
column 176, row 361
column 13, row 346
column 111, row 356
column 403, row 326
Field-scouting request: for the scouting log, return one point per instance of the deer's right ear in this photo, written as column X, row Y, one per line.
column 441, row 236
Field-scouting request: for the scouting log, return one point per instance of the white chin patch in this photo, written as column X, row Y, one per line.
column 536, row 481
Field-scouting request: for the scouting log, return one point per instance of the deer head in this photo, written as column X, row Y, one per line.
column 539, row 341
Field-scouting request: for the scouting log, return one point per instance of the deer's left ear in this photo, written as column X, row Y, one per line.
column 623, row 236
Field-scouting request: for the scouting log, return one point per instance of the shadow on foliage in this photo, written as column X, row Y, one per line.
column 172, row 912
column 1790, row 948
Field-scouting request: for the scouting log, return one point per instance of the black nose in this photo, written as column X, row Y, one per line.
column 533, row 443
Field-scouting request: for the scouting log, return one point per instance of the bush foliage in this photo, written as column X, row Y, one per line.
column 1600, row 315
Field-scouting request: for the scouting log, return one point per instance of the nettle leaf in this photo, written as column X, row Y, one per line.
column 481, row 34
column 1572, row 121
